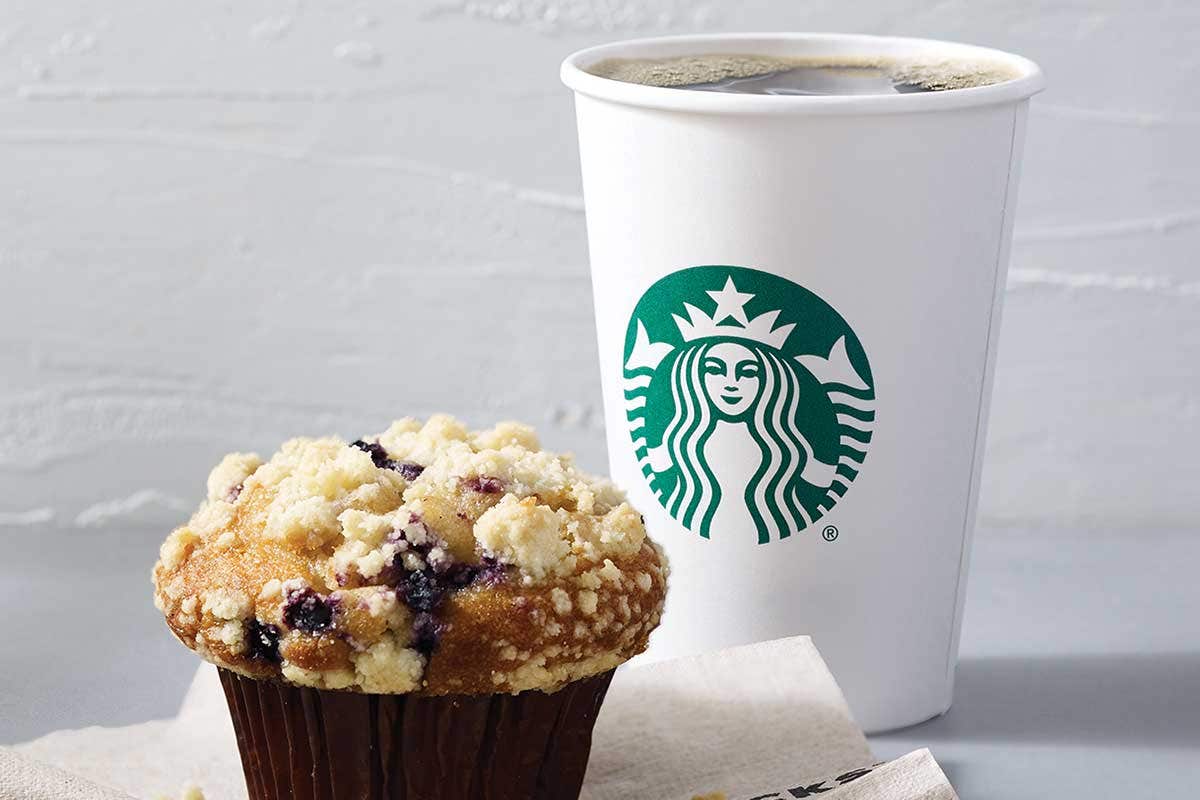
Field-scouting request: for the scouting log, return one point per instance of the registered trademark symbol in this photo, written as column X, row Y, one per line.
column 830, row 533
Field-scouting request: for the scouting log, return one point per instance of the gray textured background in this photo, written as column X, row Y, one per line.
column 223, row 224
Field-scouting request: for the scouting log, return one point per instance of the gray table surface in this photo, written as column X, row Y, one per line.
column 1079, row 672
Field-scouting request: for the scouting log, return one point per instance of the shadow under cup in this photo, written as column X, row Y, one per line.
column 310, row 744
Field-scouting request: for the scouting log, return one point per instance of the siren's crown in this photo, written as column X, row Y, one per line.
column 731, row 305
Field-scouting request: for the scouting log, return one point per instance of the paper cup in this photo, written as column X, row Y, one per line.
column 797, row 304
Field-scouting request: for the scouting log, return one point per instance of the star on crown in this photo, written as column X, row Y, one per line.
column 732, row 304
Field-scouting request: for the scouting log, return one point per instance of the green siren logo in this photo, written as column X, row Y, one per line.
column 749, row 399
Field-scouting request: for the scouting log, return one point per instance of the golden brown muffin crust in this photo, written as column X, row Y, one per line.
column 429, row 560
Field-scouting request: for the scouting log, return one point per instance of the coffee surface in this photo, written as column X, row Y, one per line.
column 775, row 75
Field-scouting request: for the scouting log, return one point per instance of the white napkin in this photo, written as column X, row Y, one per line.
column 761, row 722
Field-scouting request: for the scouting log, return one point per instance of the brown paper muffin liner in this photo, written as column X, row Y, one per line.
column 309, row 744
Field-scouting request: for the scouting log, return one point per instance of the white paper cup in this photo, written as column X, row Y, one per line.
column 797, row 303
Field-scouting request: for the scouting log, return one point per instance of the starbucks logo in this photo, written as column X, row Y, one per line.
column 749, row 398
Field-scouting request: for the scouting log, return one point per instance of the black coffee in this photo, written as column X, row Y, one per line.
column 749, row 74
column 813, row 81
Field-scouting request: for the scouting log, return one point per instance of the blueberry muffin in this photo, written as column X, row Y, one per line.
column 431, row 612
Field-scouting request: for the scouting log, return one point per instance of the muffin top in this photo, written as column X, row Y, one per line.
column 429, row 559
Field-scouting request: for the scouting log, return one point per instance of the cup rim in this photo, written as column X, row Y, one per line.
column 1029, row 80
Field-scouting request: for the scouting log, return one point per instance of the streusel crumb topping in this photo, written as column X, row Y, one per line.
column 429, row 559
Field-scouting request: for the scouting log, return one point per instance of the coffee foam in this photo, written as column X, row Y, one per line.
column 684, row 71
